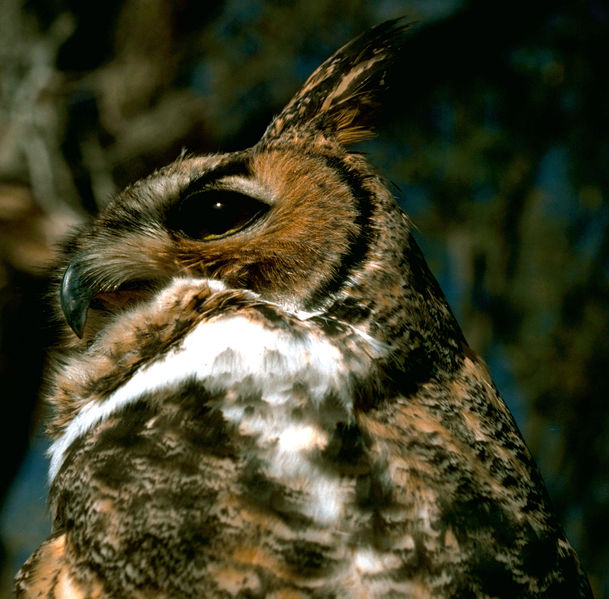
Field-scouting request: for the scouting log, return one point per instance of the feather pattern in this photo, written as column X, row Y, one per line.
column 262, row 391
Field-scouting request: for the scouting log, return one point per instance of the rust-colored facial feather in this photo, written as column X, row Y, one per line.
column 306, row 232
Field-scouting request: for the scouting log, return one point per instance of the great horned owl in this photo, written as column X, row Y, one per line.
column 265, row 393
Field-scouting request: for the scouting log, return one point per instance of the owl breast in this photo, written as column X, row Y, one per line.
column 227, row 444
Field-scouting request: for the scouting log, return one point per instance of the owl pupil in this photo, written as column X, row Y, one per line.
column 207, row 215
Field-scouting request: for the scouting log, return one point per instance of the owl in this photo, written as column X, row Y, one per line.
column 263, row 393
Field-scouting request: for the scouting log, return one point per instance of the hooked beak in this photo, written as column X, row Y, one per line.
column 75, row 296
column 84, row 288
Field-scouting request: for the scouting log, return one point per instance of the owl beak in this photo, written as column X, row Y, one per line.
column 75, row 297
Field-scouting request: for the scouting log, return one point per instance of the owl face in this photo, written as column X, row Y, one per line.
column 284, row 225
column 292, row 219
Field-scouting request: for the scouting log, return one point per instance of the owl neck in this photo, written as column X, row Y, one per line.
column 394, row 297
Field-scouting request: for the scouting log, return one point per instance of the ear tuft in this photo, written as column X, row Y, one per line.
column 339, row 99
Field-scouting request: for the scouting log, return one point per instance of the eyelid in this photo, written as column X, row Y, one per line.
column 248, row 187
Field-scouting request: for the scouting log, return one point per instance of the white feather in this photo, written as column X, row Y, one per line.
column 223, row 352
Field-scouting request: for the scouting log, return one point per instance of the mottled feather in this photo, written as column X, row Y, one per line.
column 264, row 392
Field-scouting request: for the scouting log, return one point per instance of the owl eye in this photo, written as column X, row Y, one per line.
column 206, row 215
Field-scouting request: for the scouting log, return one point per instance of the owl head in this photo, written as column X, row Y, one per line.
column 299, row 218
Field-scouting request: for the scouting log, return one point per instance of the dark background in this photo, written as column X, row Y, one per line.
column 496, row 135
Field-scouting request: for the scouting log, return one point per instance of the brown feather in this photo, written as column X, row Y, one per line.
column 338, row 101
column 285, row 407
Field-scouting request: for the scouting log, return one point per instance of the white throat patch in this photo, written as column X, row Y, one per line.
column 223, row 351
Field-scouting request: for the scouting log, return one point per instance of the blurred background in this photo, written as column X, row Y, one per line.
column 496, row 136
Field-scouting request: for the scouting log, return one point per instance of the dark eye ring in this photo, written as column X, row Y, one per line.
column 213, row 214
